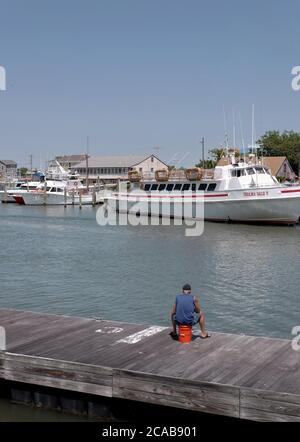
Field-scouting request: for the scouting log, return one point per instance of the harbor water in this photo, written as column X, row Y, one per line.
column 61, row 261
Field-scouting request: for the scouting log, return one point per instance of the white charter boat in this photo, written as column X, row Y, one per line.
column 239, row 192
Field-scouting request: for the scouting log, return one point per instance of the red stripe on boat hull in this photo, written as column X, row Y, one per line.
column 19, row 199
column 290, row 191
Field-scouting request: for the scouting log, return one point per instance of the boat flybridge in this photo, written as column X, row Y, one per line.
column 237, row 192
column 232, row 177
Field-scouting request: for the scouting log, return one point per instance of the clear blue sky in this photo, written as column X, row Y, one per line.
column 134, row 74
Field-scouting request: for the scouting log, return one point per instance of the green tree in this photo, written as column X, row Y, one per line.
column 22, row 171
column 207, row 164
column 287, row 143
column 217, row 153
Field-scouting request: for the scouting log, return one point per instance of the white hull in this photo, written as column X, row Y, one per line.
column 6, row 197
column 277, row 206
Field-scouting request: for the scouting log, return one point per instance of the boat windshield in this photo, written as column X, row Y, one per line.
column 259, row 169
column 25, row 186
column 238, row 172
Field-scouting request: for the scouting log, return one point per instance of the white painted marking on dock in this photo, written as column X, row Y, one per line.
column 108, row 329
column 137, row 337
column 2, row 339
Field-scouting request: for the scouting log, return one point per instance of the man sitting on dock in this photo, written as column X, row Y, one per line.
column 186, row 311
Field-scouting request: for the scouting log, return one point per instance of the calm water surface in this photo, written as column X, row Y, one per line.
column 10, row 412
column 61, row 261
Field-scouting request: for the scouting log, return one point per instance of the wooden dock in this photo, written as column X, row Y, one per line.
column 239, row 376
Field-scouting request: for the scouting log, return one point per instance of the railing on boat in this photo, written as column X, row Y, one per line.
column 178, row 175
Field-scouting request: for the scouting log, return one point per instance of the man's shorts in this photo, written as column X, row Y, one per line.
column 195, row 320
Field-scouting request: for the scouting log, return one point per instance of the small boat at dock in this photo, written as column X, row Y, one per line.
column 13, row 190
column 55, row 192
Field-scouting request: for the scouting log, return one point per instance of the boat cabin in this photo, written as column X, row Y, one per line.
column 229, row 177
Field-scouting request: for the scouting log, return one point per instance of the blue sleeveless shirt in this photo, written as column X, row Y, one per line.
column 185, row 309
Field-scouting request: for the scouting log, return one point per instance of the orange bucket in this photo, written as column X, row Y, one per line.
column 185, row 333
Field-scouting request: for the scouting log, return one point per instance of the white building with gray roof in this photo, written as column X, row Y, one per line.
column 111, row 169
column 8, row 169
column 69, row 161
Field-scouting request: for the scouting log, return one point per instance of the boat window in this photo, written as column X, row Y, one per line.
column 194, row 187
column 267, row 171
column 211, row 187
column 259, row 170
column 60, row 190
column 177, row 186
column 48, row 188
column 53, row 189
column 250, row 171
column 170, row 187
column 161, row 187
column 239, row 172
column 154, row 186
column 147, row 187
column 202, row 186
column 186, row 186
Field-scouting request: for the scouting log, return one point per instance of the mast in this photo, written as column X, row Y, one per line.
column 87, row 162
column 233, row 123
column 252, row 138
column 226, row 133
column 31, row 157
column 242, row 136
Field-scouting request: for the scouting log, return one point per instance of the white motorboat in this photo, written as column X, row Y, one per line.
column 17, row 189
column 55, row 192
column 240, row 192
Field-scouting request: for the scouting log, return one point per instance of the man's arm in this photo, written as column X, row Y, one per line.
column 197, row 305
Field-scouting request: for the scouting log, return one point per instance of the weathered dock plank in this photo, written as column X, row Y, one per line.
column 269, row 406
column 180, row 393
column 232, row 375
column 57, row 374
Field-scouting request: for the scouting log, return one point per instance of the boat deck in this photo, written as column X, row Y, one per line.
column 240, row 376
